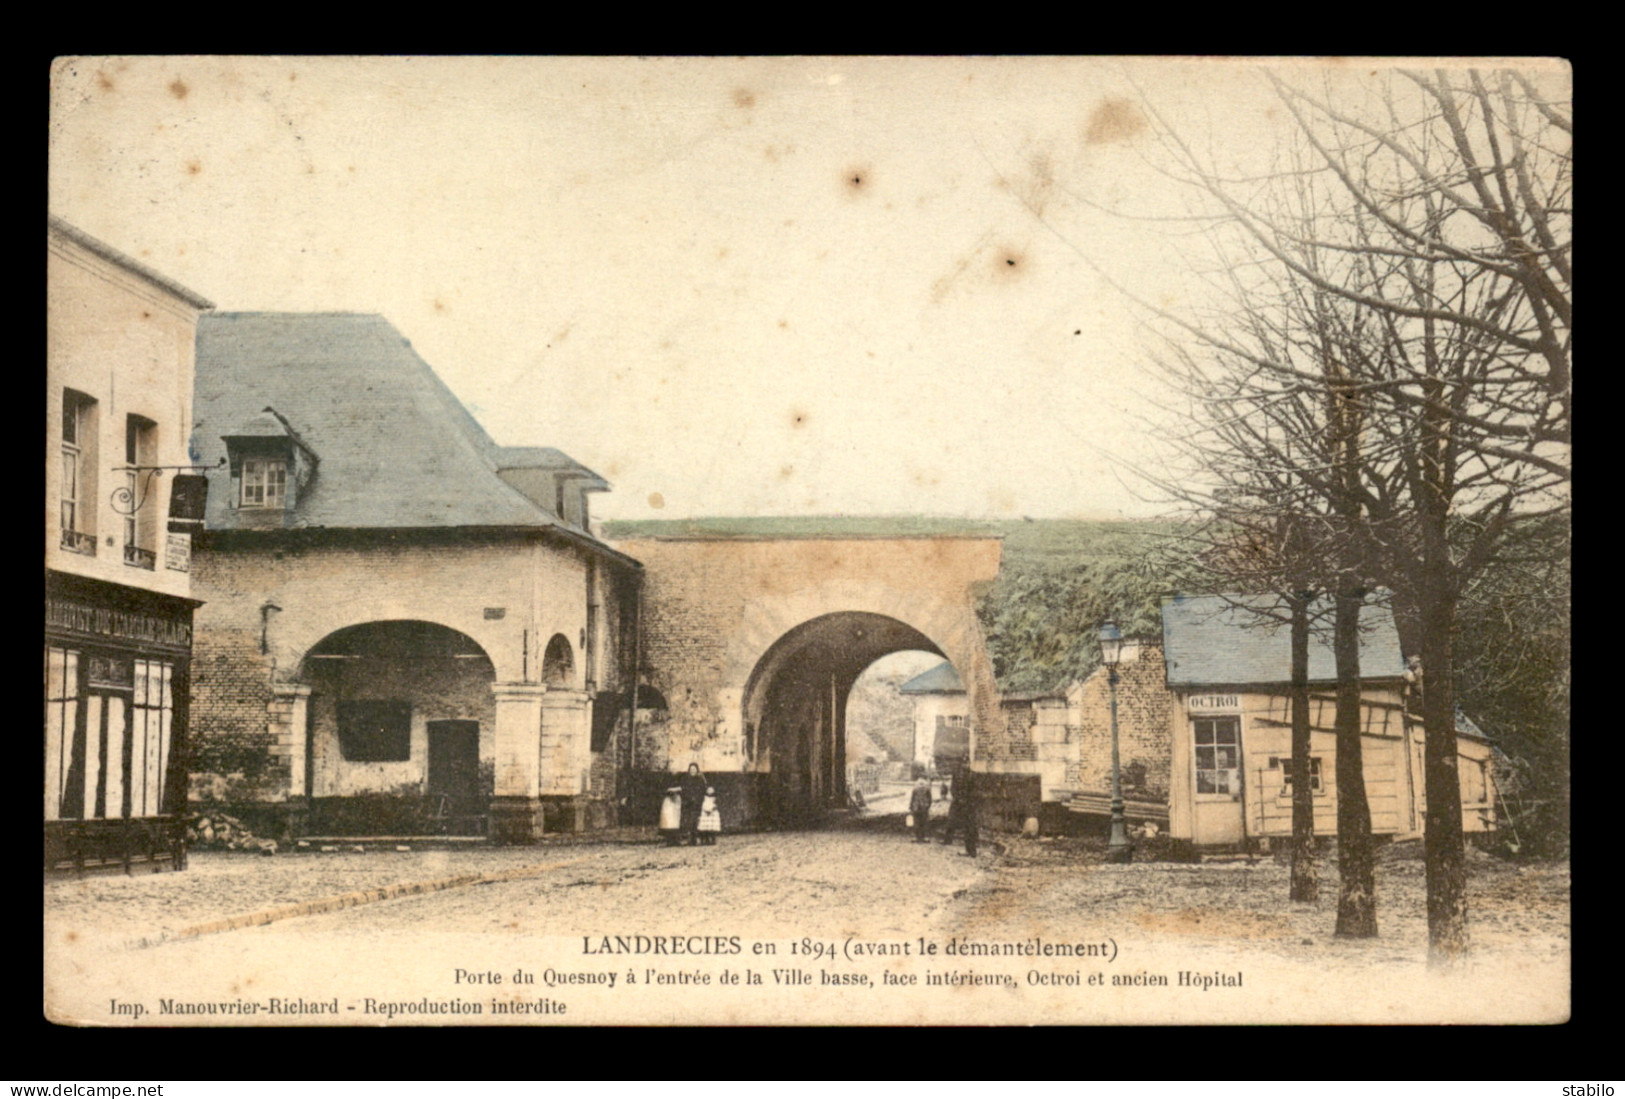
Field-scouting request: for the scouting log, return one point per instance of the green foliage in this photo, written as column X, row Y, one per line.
column 1043, row 615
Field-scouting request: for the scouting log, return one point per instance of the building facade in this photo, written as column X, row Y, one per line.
column 410, row 629
column 121, row 504
column 1204, row 732
column 941, row 718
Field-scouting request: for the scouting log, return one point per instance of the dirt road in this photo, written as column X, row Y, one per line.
column 754, row 902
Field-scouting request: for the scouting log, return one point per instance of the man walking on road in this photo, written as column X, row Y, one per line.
column 919, row 806
column 965, row 801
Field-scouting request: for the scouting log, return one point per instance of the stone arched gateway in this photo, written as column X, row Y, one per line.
column 755, row 642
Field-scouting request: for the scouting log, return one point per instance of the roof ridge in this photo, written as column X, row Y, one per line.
column 129, row 263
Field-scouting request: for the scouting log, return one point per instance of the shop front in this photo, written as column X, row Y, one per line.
column 117, row 663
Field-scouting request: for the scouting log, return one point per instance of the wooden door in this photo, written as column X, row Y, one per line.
column 454, row 763
column 1217, row 803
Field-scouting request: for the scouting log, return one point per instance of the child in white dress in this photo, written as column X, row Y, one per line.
column 710, row 819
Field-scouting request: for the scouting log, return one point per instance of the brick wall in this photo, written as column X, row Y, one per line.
column 230, row 744
column 1145, row 709
column 1014, row 743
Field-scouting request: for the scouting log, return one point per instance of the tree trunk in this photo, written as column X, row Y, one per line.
column 1357, row 892
column 1444, row 845
column 1304, row 886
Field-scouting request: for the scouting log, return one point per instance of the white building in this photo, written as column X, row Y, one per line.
column 120, row 505
column 941, row 718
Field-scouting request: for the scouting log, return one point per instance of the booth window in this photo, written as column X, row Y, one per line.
column 61, row 728
column 1284, row 765
column 375, row 731
column 152, row 719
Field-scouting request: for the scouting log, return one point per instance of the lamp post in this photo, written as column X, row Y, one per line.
column 1118, row 846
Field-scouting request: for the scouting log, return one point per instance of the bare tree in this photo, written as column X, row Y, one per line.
column 1274, row 465
column 1426, row 216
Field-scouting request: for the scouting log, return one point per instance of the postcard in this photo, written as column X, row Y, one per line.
column 577, row 541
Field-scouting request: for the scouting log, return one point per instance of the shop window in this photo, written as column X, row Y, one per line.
column 61, row 728
column 78, row 514
column 152, row 717
column 1284, row 765
column 1218, row 754
column 375, row 731
column 265, row 483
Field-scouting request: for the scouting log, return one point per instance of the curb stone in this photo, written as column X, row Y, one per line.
column 345, row 900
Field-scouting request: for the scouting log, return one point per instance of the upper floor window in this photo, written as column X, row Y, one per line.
column 265, row 483
column 78, row 472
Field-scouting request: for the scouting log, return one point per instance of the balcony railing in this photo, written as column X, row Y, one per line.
column 77, row 541
column 140, row 558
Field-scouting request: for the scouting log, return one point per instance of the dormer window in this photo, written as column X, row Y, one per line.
column 265, row 483
column 270, row 467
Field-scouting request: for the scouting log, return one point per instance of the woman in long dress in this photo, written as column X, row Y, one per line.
column 692, row 787
column 671, row 816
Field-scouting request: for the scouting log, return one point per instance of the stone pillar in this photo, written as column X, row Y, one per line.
column 287, row 719
column 516, row 809
column 565, row 759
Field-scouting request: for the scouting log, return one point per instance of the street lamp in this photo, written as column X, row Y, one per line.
column 1118, row 846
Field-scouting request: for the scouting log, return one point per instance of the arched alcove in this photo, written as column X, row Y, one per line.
column 558, row 662
column 400, row 728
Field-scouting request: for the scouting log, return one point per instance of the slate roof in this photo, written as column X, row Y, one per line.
column 1226, row 640
column 394, row 447
column 939, row 680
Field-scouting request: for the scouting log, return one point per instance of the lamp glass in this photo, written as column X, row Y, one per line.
column 1111, row 643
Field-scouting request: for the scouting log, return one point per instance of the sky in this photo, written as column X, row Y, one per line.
column 787, row 286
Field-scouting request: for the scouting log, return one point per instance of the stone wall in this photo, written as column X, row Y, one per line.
column 270, row 599
column 714, row 607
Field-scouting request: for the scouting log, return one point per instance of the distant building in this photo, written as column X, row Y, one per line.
column 941, row 718
column 119, row 510
column 1204, row 730
column 411, row 629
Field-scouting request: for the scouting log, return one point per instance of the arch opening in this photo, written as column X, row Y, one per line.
column 795, row 708
column 399, row 730
column 907, row 717
column 558, row 662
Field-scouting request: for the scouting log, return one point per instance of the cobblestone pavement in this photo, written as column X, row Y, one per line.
column 221, row 883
